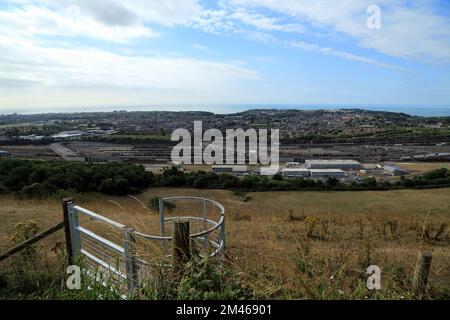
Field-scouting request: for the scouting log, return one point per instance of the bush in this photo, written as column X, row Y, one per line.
column 45, row 178
column 202, row 279
column 41, row 190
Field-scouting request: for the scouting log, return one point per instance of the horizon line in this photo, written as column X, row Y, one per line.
column 247, row 107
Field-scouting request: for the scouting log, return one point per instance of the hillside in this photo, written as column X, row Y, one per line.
column 311, row 245
column 295, row 125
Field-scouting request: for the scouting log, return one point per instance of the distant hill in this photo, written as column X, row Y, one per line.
column 294, row 125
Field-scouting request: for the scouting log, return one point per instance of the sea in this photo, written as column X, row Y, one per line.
column 423, row 111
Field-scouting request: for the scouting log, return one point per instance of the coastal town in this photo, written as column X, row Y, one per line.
column 377, row 144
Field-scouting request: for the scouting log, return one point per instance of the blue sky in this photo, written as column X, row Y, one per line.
column 72, row 55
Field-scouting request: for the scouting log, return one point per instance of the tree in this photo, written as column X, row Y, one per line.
column 332, row 182
column 278, row 176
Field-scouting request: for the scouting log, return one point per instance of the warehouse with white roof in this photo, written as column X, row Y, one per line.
column 327, row 173
column 295, row 172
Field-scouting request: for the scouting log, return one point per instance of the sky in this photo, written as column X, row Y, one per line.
column 82, row 55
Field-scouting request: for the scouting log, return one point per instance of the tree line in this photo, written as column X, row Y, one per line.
column 47, row 178
column 172, row 177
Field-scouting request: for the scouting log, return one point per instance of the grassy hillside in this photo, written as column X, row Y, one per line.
column 298, row 244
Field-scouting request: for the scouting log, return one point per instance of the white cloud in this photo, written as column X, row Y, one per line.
column 262, row 22
column 27, row 61
column 199, row 46
column 30, row 21
column 410, row 29
column 110, row 20
column 341, row 54
column 167, row 12
column 37, row 65
column 251, row 25
column 262, row 37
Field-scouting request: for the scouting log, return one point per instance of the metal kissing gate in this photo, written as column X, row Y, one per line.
column 124, row 257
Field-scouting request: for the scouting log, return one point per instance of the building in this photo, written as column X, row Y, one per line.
column 327, row 173
column 4, row 154
column 67, row 135
column 292, row 165
column 32, row 137
column 266, row 171
column 333, row 164
column 286, row 159
column 66, row 153
column 394, row 170
column 295, row 172
column 230, row 169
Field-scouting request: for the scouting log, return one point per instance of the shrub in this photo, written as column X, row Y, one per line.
column 201, row 279
column 44, row 178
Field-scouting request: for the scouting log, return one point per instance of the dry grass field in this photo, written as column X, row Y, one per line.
column 297, row 244
column 417, row 168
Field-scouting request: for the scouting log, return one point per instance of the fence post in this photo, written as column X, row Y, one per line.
column 421, row 274
column 223, row 235
column 181, row 243
column 162, row 226
column 205, row 224
column 66, row 219
column 75, row 235
column 131, row 268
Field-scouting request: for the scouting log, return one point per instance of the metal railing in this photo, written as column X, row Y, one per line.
column 113, row 247
column 209, row 225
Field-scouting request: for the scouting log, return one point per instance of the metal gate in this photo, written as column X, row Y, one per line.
column 122, row 257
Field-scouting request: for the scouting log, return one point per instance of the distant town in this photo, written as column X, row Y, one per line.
column 346, row 144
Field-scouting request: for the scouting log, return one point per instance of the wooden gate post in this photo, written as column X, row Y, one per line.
column 421, row 274
column 181, row 243
column 66, row 219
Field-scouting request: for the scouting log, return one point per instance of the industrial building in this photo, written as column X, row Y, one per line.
column 394, row 170
column 32, row 137
column 4, row 154
column 295, row 172
column 312, row 173
column 266, row 171
column 69, row 135
column 66, row 153
column 327, row 173
column 292, row 165
column 231, row 169
column 333, row 164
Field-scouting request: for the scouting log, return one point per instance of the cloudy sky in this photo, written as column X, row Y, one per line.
column 89, row 54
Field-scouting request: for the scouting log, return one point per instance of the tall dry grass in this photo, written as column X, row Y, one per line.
column 300, row 245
